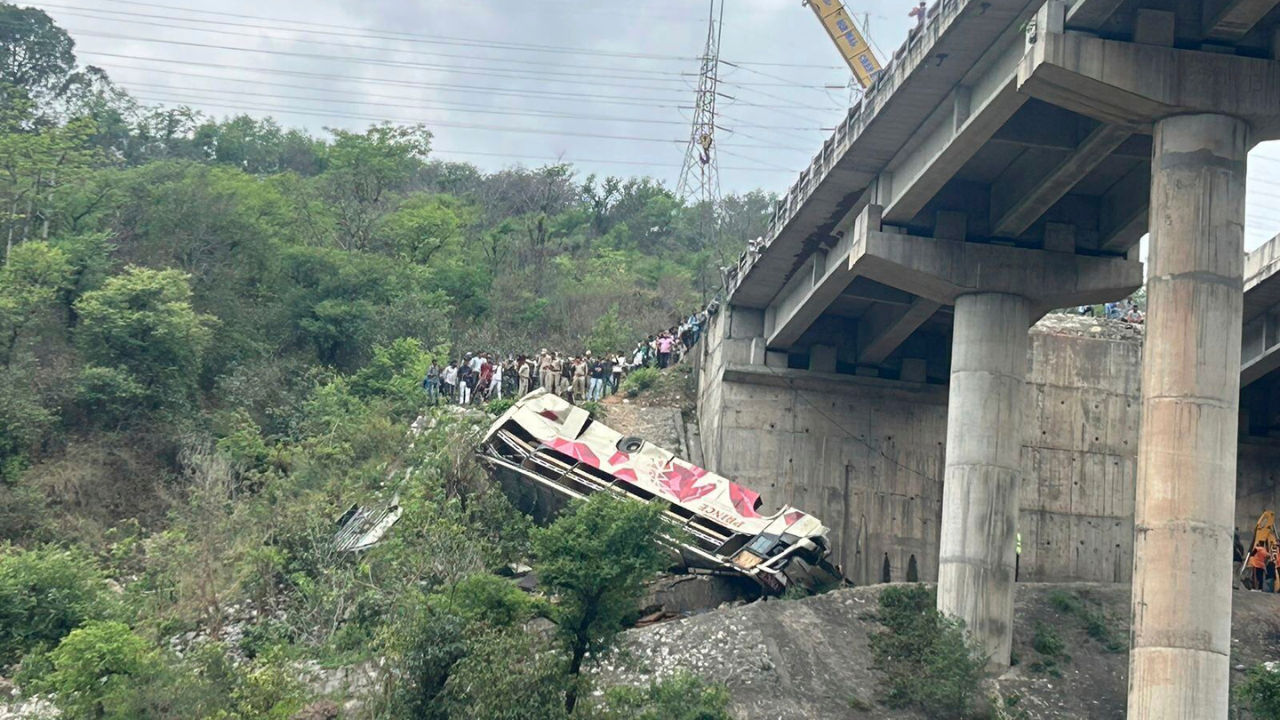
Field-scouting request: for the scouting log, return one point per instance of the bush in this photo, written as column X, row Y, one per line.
column 926, row 659
column 44, row 595
column 507, row 675
column 680, row 697
column 423, row 649
column 96, row 671
column 1260, row 693
column 1046, row 641
column 486, row 599
column 497, row 407
column 640, row 380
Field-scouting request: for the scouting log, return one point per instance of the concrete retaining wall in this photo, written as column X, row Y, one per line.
column 866, row 455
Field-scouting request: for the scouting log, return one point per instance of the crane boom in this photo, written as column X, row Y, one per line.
column 848, row 39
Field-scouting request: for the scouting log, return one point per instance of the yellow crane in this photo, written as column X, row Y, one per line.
column 848, row 39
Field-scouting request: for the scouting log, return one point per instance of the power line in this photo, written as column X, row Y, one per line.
column 488, row 91
column 478, row 109
column 437, row 105
column 435, row 39
column 589, row 160
column 412, row 37
column 101, row 14
column 220, row 102
column 512, row 75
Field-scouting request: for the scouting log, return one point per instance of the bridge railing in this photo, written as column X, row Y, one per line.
column 904, row 60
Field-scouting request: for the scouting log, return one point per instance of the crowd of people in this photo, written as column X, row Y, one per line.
column 1126, row 310
column 480, row 377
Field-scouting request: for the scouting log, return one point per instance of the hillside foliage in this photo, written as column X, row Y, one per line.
column 212, row 333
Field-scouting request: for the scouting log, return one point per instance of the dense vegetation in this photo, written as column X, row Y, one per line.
column 211, row 338
column 926, row 660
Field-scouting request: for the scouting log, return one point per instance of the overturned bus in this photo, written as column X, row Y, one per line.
column 546, row 452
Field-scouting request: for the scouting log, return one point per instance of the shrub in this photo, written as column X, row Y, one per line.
column 680, row 697
column 44, row 595
column 926, row 659
column 1046, row 641
column 640, row 380
column 96, row 671
column 497, row 407
column 423, row 651
column 507, row 675
column 1260, row 693
column 486, row 599
column 596, row 410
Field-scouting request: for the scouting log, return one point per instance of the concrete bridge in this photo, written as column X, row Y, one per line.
column 1006, row 163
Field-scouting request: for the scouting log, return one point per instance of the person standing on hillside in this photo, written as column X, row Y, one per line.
column 596, row 373
column 619, row 363
column 431, row 383
column 664, row 350
column 449, row 380
column 524, row 369
column 578, row 377
column 558, row 384
column 606, row 380
column 484, row 378
column 1258, row 564
column 466, row 380
column 495, row 380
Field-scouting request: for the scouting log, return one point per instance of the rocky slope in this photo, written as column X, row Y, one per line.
column 801, row 659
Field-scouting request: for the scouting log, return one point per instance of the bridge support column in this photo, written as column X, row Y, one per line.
column 983, row 466
column 1179, row 660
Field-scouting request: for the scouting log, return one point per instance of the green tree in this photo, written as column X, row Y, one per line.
column 35, row 54
column 366, row 172
column 29, row 284
column 427, row 226
column 595, row 559
column 1260, row 693
column 141, row 326
column 610, row 334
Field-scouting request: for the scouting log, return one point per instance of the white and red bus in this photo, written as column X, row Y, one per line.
column 546, row 452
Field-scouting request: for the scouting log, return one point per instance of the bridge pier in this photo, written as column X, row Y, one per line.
column 984, row 466
column 1179, row 660
column 997, row 292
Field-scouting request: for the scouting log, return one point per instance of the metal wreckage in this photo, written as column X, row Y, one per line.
column 545, row 452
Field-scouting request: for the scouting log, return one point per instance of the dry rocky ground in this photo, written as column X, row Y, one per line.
column 809, row 658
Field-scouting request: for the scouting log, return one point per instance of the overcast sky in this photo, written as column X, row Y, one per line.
column 606, row 85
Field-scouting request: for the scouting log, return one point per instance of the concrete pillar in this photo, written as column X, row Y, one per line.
column 1181, row 638
column 983, row 466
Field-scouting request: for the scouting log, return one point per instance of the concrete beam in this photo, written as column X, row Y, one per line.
column 1123, row 217
column 1041, row 125
column 1040, row 195
column 1230, row 20
column 943, row 270
column 919, row 174
column 1091, row 14
column 886, row 336
column 810, row 292
column 1260, row 348
column 1135, row 85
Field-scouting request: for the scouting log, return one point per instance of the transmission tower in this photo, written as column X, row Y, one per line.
column 700, row 176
